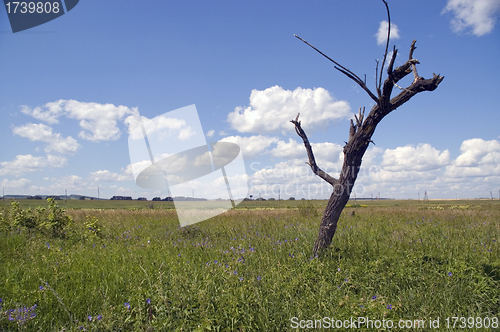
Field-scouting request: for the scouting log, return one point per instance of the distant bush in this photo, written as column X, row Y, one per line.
column 356, row 205
column 460, row 207
column 51, row 221
column 56, row 221
column 308, row 209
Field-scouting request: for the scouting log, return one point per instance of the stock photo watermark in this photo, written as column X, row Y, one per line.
column 170, row 153
column 300, row 181
column 411, row 324
column 25, row 15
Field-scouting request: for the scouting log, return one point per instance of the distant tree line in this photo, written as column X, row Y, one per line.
column 269, row 199
column 158, row 199
column 178, row 198
column 121, row 198
column 57, row 198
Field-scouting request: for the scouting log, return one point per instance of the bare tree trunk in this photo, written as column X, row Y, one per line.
column 360, row 133
column 339, row 198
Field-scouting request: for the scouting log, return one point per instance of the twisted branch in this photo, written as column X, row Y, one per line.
column 312, row 161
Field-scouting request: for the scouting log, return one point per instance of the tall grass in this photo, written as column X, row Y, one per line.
column 250, row 270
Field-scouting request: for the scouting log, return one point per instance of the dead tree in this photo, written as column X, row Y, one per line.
column 361, row 131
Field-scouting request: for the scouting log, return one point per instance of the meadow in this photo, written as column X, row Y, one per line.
column 128, row 266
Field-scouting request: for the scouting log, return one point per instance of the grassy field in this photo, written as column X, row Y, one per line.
column 250, row 269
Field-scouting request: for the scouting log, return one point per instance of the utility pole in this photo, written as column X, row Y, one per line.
column 98, row 194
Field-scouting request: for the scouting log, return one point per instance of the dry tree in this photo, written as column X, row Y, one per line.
column 362, row 129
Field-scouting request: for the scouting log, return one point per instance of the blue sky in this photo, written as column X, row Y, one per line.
column 68, row 87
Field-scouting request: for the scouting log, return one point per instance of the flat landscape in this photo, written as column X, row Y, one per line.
column 128, row 266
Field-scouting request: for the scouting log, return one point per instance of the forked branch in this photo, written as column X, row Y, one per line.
column 312, row 161
column 413, row 65
column 354, row 128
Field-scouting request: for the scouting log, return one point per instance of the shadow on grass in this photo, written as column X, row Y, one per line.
column 492, row 271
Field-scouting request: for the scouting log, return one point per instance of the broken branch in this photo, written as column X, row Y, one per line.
column 344, row 71
column 413, row 65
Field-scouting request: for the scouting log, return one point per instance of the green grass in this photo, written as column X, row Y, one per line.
column 423, row 261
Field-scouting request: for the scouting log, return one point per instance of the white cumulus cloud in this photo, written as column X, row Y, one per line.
column 273, row 108
column 409, row 158
column 98, row 121
column 28, row 163
column 251, row 146
column 478, row 15
column 21, row 183
column 55, row 142
column 381, row 34
column 295, row 150
column 107, row 176
column 49, row 113
column 290, row 150
column 72, row 183
column 478, row 158
column 161, row 128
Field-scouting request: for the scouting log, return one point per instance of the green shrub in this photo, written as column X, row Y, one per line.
column 56, row 222
column 51, row 221
column 21, row 218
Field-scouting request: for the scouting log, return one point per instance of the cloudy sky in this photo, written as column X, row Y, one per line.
column 72, row 90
